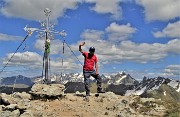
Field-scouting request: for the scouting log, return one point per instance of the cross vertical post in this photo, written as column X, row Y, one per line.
column 47, row 44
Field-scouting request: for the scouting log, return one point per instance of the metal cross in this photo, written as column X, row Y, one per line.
column 47, row 31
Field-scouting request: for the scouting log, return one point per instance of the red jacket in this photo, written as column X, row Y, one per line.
column 89, row 61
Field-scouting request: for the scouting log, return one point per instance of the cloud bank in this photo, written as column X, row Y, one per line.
column 34, row 10
column 160, row 9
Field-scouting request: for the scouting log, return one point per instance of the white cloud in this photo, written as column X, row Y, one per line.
column 111, row 52
column 119, row 32
column 26, row 63
column 107, row 51
column 24, row 59
column 39, row 44
column 92, row 34
column 34, row 61
column 160, row 9
column 69, row 65
column 172, row 30
column 173, row 70
column 34, row 9
column 143, row 52
column 170, row 71
column 5, row 37
column 107, row 7
column 173, row 46
column 70, row 62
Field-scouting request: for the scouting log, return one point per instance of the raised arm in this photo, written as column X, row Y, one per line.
column 81, row 44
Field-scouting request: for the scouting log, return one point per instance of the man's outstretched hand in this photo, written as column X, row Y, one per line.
column 82, row 43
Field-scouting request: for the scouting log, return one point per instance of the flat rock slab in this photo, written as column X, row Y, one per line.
column 47, row 90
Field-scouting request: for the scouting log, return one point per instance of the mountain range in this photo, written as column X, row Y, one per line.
column 120, row 83
column 17, row 80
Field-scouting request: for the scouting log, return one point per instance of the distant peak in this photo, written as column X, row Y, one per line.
column 122, row 73
column 20, row 76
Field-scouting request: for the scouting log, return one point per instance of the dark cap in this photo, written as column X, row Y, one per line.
column 91, row 49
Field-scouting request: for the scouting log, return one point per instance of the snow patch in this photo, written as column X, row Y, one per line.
column 173, row 84
column 139, row 92
column 119, row 80
column 156, row 87
column 129, row 92
column 80, row 76
column 178, row 90
column 134, row 92
column 164, row 93
column 121, row 73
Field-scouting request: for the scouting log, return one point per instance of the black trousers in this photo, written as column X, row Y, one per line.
column 87, row 75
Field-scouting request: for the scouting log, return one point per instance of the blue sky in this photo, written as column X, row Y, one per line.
column 140, row 37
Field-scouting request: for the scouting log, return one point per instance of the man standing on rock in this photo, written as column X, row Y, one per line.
column 90, row 60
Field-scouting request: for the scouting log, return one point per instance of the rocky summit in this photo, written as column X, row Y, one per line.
column 51, row 101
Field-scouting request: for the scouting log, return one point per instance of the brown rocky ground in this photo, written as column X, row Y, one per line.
column 77, row 105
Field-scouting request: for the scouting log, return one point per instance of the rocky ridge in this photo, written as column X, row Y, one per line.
column 51, row 101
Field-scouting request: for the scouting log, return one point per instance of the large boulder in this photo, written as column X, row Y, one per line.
column 7, row 99
column 21, row 100
column 47, row 91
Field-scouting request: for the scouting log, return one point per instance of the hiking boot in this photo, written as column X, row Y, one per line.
column 88, row 94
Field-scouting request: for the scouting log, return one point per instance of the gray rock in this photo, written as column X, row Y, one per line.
column 109, row 96
column 77, row 93
column 7, row 99
column 44, row 90
column 27, row 113
column 22, row 95
column 11, row 107
column 15, row 113
column 5, row 113
column 21, row 100
column 2, row 107
column 23, row 104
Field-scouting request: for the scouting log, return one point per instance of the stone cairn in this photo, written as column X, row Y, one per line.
column 18, row 104
column 44, row 91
